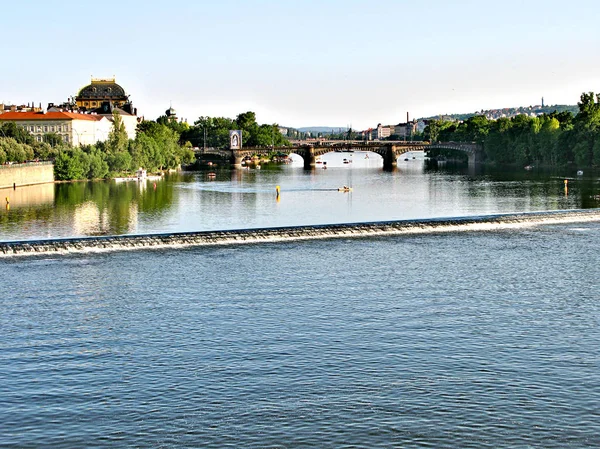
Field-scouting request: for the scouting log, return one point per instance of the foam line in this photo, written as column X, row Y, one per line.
column 292, row 233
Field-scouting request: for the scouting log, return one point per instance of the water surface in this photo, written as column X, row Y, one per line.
column 472, row 339
column 247, row 198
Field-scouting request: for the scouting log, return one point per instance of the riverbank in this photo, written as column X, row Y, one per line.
column 26, row 174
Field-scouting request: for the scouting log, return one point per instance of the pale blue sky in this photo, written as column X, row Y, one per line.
column 304, row 63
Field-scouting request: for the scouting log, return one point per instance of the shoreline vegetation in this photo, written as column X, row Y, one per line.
column 160, row 146
column 555, row 139
column 552, row 140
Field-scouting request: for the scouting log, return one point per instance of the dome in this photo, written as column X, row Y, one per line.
column 104, row 89
column 170, row 112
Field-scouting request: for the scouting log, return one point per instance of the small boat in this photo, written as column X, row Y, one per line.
column 212, row 175
column 345, row 189
column 579, row 172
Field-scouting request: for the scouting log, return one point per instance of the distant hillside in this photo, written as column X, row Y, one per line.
column 509, row 112
column 323, row 129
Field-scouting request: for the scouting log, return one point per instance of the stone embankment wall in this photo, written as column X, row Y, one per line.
column 26, row 174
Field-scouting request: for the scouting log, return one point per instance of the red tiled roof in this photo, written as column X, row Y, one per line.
column 12, row 116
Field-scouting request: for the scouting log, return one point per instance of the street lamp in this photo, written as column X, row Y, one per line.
column 78, row 136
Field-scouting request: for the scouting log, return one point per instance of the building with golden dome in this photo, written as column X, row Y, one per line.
column 101, row 91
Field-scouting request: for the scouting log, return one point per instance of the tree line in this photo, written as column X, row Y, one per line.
column 553, row 139
column 156, row 147
column 213, row 132
column 159, row 145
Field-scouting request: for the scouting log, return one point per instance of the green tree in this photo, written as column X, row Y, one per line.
column 117, row 138
column 71, row 164
column 52, row 139
column 11, row 129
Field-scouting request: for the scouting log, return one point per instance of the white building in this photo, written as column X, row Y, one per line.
column 74, row 128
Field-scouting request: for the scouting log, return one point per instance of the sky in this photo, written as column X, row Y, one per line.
column 304, row 63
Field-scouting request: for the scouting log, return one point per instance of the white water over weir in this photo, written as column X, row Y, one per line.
column 293, row 233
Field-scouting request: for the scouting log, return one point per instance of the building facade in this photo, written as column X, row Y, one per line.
column 74, row 128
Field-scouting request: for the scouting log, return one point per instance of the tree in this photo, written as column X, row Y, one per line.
column 11, row 129
column 52, row 139
column 117, row 138
column 71, row 164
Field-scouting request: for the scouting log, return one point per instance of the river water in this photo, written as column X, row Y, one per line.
column 459, row 339
column 247, row 198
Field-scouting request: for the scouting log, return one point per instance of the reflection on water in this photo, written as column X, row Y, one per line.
column 27, row 196
column 246, row 198
column 81, row 208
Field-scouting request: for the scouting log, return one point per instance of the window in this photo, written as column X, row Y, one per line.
column 39, row 129
column 45, row 129
column 52, row 129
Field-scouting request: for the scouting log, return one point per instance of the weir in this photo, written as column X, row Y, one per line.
column 293, row 233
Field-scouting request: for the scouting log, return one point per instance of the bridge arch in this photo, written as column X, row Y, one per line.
column 473, row 150
column 389, row 151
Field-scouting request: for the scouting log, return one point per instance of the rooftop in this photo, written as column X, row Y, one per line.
column 12, row 116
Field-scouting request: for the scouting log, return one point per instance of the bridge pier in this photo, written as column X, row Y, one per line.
column 389, row 158
column 236, row 159
column 474, row 159
column 310, row 161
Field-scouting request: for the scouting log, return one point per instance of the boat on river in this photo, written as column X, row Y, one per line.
column 141, row 175
column 345, row 189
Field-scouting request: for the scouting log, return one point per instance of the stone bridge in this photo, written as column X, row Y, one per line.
column 389, row 151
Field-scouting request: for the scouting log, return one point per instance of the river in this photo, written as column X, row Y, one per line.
column 247, row 198
column 470, row 338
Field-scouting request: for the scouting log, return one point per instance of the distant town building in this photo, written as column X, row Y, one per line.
column 75, row 128
column 406, row 130
column 171, row 114
column 383, row 132
column 19, row 108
